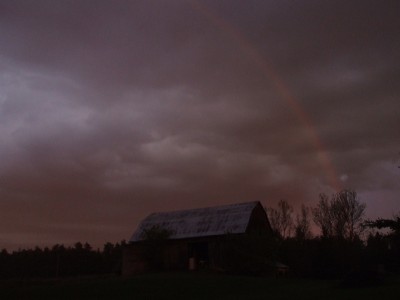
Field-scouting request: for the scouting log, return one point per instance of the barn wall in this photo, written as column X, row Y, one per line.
column 211, row 252
column 175, row 255
column 172, row 255
column 133, row 260
column 258, row 223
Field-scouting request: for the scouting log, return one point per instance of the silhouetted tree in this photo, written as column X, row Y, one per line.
column 385, row 247
column 392, row 224
column 154, row 240
column 303, row 227
column 61, row 261
column 156, row 233
column 281, row 219
column 341, row 216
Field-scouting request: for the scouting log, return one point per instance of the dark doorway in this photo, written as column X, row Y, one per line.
column 198, row 255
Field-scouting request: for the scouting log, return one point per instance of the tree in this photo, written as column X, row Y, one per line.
column 302, row 227
column 341, row 216
column 387, row 246
column 154, row 240
column 281, row 218
column 392, row 224
column 156, row 232
column 350, row 212
column 322, row 216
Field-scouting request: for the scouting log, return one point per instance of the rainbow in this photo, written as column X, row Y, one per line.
column 281, row 88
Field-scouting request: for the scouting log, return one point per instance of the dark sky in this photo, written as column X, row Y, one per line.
column 110, row 110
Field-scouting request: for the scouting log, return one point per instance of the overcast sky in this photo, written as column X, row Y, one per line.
column 111, row 110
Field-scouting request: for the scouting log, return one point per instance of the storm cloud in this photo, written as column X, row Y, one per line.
column 110, row 110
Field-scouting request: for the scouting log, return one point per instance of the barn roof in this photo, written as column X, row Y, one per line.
column 200, row 222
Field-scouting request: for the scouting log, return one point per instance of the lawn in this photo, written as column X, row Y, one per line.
column 192, row 286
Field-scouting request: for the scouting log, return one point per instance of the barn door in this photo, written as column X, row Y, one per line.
column 198, row 255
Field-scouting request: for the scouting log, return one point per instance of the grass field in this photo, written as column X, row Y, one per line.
column 193, row 286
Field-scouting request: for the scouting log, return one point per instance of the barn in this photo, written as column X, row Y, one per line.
column 195, row 238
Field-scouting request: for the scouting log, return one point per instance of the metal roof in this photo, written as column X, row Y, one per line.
column 199, row 222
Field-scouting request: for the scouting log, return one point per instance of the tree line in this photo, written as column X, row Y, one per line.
column 339, row 216
column 60, row 261
column 347, row 246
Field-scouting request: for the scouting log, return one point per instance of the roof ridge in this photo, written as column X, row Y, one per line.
column 205, row 221
column 200, row 208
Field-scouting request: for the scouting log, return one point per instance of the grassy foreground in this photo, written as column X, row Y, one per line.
column 192, row 286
